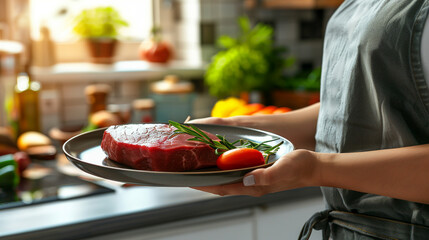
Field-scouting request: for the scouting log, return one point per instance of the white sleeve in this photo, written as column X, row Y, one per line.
column 425, row 51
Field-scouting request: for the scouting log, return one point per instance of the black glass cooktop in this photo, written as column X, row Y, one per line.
column 47, row 184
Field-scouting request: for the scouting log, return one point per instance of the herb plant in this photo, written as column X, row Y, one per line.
column 99, row 22
column 249, row 62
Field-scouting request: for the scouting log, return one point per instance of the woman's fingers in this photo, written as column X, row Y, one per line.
column 253, row 184
column 291, row 171
column 233, row 189
column 209, row 120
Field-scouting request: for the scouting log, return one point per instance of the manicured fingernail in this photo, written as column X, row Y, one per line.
column 249, row 180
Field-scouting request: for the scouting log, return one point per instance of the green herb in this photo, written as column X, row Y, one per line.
column 248, row 62
column 222, row 144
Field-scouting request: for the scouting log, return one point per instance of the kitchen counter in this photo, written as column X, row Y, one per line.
column 126, row 209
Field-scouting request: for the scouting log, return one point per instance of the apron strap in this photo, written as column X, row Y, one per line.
column 319, row 221
column 366, row 225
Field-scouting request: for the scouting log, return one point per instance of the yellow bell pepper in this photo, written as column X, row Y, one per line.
column 224, row 108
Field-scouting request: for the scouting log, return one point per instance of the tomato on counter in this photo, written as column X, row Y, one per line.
column 155, row 49
column 240, row 158
column 152, row 51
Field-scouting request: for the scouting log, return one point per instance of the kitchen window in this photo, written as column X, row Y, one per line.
column 58, row 17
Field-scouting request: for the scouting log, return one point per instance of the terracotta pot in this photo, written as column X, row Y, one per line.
column 295, row 99
column 102, row 50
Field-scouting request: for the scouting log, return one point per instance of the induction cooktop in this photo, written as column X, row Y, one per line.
column 47, row 184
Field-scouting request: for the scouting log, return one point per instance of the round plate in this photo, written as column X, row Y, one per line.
column 85, row 152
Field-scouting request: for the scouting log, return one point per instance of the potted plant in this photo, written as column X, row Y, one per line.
column 247, row 63
column 99, row 27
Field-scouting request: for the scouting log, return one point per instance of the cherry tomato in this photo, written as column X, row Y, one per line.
column 240, row 158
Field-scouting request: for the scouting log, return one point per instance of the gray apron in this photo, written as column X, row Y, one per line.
column 373, row 96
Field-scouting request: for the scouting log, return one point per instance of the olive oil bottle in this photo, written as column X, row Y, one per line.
column 27, row 103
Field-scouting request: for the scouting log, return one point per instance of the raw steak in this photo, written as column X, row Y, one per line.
column 149, row 147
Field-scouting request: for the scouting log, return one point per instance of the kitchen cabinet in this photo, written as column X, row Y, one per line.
column 265, row 222
column 293, row 4
column 163, row 213
column 229, row 225
column 286, row 220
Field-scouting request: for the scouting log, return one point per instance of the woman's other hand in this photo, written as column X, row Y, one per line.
column 293, row 170
column 211, row 120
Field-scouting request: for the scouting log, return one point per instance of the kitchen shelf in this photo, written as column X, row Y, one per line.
column 126, row 70
column 293, row 4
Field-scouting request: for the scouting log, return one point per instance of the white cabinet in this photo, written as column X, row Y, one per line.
column 285, row 220
column 226, row 226
column 275, row 221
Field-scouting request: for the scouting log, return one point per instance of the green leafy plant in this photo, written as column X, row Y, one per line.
column 98, row 22
column 303, row 81
column 246, row 63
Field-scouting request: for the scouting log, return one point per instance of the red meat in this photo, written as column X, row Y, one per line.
column 149, row 147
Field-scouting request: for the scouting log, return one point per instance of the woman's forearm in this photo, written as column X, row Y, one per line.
column 298, row 126
column 399, row 173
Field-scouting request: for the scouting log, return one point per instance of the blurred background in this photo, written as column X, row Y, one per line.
column 157, row 38
column 70, row 66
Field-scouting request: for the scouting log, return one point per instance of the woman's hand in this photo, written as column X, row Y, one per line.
column 211, row 120
column 293, row 170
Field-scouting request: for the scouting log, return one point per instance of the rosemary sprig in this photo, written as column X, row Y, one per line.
column 222, row 144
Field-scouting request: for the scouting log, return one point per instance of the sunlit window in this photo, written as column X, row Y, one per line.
column 58, row 16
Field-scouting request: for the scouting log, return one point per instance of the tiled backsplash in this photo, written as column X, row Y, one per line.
column 193, row 26
column 301, row 31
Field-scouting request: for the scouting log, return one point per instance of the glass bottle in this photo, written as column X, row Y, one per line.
column 27, row 102
column 97, row 96
column 143, row 110
column 10, row 58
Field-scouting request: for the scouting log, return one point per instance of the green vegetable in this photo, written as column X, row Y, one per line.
column 6, row 160
column 9, row 176
column 222, row 144
column 91, row 126
column 249, row 62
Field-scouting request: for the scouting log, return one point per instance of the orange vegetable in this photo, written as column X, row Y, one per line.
column 282, row 110
column 248, row 109
column 266, row 110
